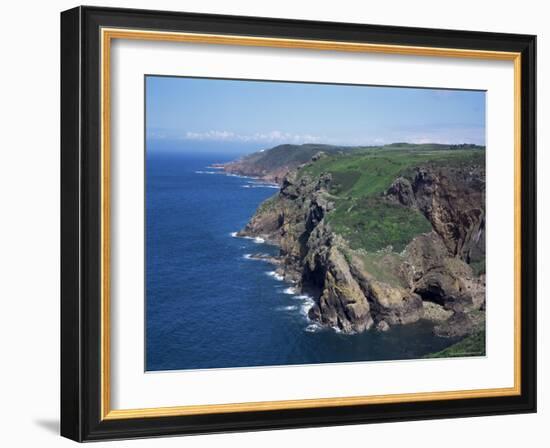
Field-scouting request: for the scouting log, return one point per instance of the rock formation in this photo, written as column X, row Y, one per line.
column 356, row 290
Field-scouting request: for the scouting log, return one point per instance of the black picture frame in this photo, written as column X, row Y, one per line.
column 81, row 224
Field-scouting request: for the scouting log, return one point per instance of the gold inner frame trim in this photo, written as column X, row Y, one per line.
column 107, row 35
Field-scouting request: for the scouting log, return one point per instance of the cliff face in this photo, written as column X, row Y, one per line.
column 356, row 289
column 245, row 168
column 453, row 200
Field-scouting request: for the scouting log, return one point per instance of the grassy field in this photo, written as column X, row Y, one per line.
column 361, row 176
column 371, row 224
column 365, row 172
column 292, row 156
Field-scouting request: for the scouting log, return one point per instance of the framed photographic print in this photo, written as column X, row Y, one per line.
column 273, row 223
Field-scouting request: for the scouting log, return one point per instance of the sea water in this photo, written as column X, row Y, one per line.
column 209, row 304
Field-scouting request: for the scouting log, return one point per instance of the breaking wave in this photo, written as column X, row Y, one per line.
column 256, row 184
column 275, row 275
column 307, row 303
column 287, row 308
column 313, row 328
column 255, row 239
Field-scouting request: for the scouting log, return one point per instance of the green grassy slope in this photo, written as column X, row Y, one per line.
column 287, row 155
column 294, row 155
column 473, row 345
column 360, row 178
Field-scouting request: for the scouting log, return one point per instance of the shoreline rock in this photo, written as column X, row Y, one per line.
column 267, row 258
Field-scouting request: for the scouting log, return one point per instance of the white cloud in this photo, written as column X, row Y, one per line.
column 442, row 134
column 258, row 137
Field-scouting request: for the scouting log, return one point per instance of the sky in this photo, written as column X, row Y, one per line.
column 251, row 115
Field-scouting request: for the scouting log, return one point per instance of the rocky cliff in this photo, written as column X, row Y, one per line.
column 382, row 239
column 274, row 163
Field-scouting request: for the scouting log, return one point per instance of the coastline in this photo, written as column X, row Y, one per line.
column 299, row 220
column 278, row 274
column 296, row 287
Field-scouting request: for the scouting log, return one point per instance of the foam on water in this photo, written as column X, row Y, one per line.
column 259, row 257
column 239, row 176
column 306, row 306
column 260, row 184
column 251, row 185
column 275, row 275
column 256, row 239
column 302, row 297
column 287, row 308
column 290, row 291
column 312, row 328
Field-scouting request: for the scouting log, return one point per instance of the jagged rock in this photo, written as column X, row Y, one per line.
column 437, row 277
column 459, row 324
column 319, row 155
column 422, row 254
column 382, row 326
column 402, row 191
column 435, row 312
column 444, row 289
column 265, row 224
column 342, row 303
column 453, row 201
column 265, row 257
column 393, row 304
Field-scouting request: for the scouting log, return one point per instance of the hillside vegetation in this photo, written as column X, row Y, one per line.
column 473, row 345
column 359, row 181
column 274, row 163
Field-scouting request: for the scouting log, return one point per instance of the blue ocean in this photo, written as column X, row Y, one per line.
column 208, row 305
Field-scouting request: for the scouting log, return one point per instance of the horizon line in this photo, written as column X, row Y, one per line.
column 343, row 145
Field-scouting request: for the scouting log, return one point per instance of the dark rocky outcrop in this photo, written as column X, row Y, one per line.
column 453, row 200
